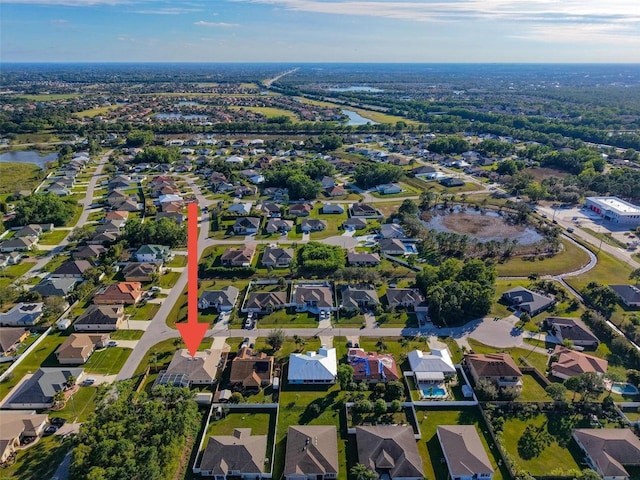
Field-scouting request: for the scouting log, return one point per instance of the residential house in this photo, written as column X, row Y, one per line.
column 246, row 225
column 573, row 330
column 300, row 210
column 498, row 368
column 313, row 368
column 14, row 426
column 238, row 257
column 103, row 238
column 278, row 225
column 177, row 217
column 464, row 453
column 108, row 227
column 10, row 338
column 116, row 217
column 372, row 367
column 140, row 271
column 410, row 298
column 127, row 293
column 265, row 302
column 234, row 159
column 55, row 287
column 570, row 363
column 222, row 300
column 172, row 207
column 277, row 194
column 392, row 230
column 451, row 182
column 354, row 224
column 390, row 451
column 88, row 252
column 312, row 453
column 313, row 298
column 78, row 347
column 119, row 182
column 628, row 294
column 57, row 188
column 12, row 258
column 389, row 188
column 237, row 456
column 187, row 371
column 74, row 269
column 332, row 208
column 29, row 231
column 245, row 191
column 116, row 197
column 356, row 259
column 313, row 225
column 392, row 246
column 22, row 315
column 127, row 205
column 38, row 391
column 251, row 370
column 153, row 253
column 432, row 368
column 241, row 208
column 277, row 257
column 23, row 244
column 363, row 210
column 327, row 182
column 336, row 191
column 609, row 450
column 271, row 209
column 358, row 297
column 424, row 171
column 524, row 300
column 105, row 318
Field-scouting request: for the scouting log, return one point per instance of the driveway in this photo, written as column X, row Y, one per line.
column 342, row 241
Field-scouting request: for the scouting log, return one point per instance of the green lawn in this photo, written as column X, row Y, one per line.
column 142, row 312
column 54, row 237
column 289, row 347
column 107, row 361
column 572, row 258
column 12, row 273
column 554, row 457
column 429, row 446
column 177, row 261
column 55, row 262
column 270, row 112
column 398, row 346
column 532, row 390
column 608, row 271
column 398, row 319
column 19, row 176
column 41, row 355
column 127, row 335
column 168, row 280
column 287, row 318
column 79, row 406
column 40, row 460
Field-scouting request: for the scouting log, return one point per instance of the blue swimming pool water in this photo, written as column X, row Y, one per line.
column 624, row 389
column 434, row 392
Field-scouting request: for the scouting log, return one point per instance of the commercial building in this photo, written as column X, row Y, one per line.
column 615, row 210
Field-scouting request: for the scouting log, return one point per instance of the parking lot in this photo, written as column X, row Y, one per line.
column 584, row 218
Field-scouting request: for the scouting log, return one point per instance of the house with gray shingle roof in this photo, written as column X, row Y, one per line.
column 355, row 297
column 464, row 453
column 55, row 287
column 239, row 455
column 609, row 450
column 39, row 390
column 312, row 452
column 222, row 300
column 390, row 451
column 524, row 300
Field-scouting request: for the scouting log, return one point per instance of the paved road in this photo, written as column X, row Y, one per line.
column 82, row 220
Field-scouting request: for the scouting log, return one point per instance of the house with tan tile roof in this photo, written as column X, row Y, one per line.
column 498, row 368
column 251, row 370
column 127, row 293
column 78, row 347
column 570, row 363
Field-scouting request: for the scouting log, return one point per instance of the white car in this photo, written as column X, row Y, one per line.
column 112, row 343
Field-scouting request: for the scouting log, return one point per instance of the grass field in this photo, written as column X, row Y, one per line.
column 54, row 237
column 553, row 457
column 168, row 280
column 80, row 405
column 19, row 176
column 12, row 273
column 107, row 361
column 127, row 335
column 94, row 112
column 270, row 112
column 569, row 260
column 283, row 318
column 429, row 445
column 49, row 97
column 40, row 460
column 608, row 271
column 142, row 312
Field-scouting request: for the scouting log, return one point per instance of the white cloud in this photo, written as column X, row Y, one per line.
column 202, row 23
column 168, row 11
column 70, row 3
column 59, row 21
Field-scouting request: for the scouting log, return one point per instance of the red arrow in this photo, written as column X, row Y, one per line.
column 192, row 332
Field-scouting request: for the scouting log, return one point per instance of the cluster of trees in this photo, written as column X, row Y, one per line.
column 495, row 148
column 600, row 297
column 157, row 155
column 161, row 232
column 371, row 174
column 44, row 208
column 138, row 437
column 322, row 257
column 458, row 291
column 139, row 138
column 449, row 145
column 300, row 179
column 622, row 351
column 487, row 391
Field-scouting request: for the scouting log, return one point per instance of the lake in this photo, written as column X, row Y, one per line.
column 356, row 89
column 356, row 119
column 28, row 156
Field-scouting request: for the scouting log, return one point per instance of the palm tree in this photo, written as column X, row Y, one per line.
column 361, row 472
column 59, row 399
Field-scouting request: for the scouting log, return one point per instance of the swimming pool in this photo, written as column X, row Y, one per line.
column 624, row 389
column 434, row 392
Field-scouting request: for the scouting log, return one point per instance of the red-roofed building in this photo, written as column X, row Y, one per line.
column 372, row 367
column 127, row 293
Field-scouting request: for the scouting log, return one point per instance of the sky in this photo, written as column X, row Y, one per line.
column 520, row 31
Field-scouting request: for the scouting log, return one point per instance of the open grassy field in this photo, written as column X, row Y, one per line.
column 49, row 97
column 127, row 335
column 12, row 273
column 429, row 446
column 54, row 237
column 572, row 258
column 553, row 457
column 107, row 361
column 40, row 460
column 608, row 271
column 143, row 312
column 94, row 112
column 19, row 176
column 270, row 112
column 80, row 405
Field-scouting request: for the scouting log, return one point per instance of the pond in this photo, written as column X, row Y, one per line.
column 356, row 119
column 28, row 156
column 355, row 88
column 483, row 227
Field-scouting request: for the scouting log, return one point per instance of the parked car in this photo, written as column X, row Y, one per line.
column 88, row 381
column 57, row 421
column 570, row 230
column 50, row 430
column 349, row 344
column 112, row 343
